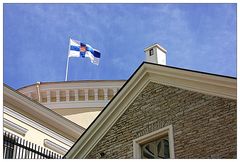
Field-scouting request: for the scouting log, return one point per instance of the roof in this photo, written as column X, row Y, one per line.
column 212, row 84
column 156, row 45
column 43, row 115
column 66, row 82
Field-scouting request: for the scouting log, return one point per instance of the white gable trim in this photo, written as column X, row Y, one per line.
column 220, row 86
column 193, row 81
column 20, row 103
column 98, row 129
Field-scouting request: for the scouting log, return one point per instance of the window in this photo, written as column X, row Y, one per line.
column 110, row 94
column 81, row 95
column 100, row 94
column 155, row 145
column 91, row 94
column 53, row 96
column 150, row 52
column 43, row 97
column 71, row 95
column 158, row 149
column 62, row 96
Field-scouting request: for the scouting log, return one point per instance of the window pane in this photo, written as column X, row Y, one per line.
column 151, row 52
column 166, row 149
column 156, row 149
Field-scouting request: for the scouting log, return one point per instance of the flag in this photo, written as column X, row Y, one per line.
column 83, row 50
column 74, row 48
column 87, row 51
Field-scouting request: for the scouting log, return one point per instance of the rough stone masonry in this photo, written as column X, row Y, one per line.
column 204, row 126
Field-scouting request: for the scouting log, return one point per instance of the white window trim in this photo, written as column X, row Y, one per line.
column 14, row 127
column 168, row 130
column 55, row 147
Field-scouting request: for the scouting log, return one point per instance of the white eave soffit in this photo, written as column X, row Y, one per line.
column 194, row 81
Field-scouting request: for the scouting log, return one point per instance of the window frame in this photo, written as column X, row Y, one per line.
column 151, row 52
column 168, row 130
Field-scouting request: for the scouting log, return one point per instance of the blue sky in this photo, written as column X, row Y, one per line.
column 199, row 37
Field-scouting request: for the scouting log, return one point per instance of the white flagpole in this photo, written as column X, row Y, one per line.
column 67, row 70
column 66, row 76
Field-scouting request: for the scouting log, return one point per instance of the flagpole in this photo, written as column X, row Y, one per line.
column 67, row 70
column 66, row 76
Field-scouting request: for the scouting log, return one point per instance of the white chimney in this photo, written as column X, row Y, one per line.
column 156, row 54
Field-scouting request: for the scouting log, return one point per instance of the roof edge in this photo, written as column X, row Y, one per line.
column 78, row 81
column 35, row 106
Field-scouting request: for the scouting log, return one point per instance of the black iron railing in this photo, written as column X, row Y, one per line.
column 17, row 148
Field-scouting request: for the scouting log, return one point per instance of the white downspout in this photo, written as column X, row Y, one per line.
column 38, row 91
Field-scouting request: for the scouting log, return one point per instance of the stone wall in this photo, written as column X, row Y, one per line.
column 204, row 126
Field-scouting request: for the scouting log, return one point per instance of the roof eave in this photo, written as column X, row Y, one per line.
column 41, row 114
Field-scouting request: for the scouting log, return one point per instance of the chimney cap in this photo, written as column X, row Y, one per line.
column 156, row 45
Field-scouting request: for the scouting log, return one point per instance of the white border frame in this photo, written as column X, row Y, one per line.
column 168, row 130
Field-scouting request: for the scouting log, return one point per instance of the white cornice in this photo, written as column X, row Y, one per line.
column 39, row 113
column 73, row 85
column 76, row 104
column 155, row 45
column 139, row 80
